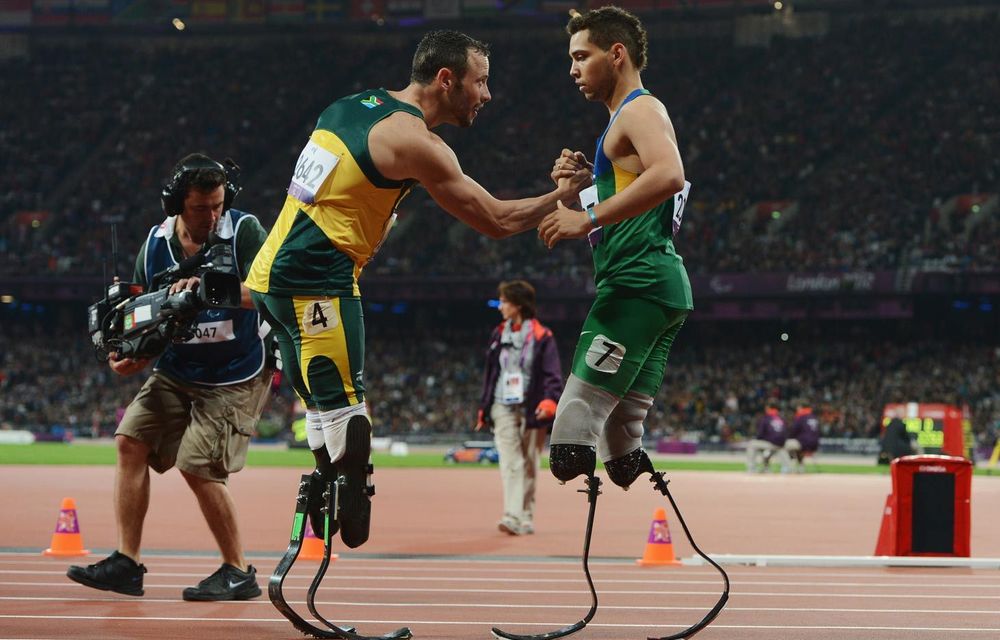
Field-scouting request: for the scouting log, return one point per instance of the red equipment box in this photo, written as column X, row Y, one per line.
column 928, row 512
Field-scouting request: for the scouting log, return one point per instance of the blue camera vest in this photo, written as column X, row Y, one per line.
column 227, row 347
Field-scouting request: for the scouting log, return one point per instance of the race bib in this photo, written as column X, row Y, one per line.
column 605, row 355
column 213, row 332
column 680, row 199
column 314, row 166
column 319, row 316
column 511, row 387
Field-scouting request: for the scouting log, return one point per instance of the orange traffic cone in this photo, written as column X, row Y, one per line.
column 312, row 547
column 66, row 540
column 659, row 547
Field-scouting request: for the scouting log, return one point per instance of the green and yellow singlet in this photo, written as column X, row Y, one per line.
column 637, row 256
column 339, row 207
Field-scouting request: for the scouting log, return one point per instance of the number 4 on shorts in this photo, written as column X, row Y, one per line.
column 319, row 316
column 605, row 355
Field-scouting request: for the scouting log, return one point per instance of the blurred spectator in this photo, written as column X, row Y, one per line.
column 521, row 388
column 803, row 438
column 896, row 441
column 768, row 441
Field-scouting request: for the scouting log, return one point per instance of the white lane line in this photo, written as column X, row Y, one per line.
column 650, row 581
column 905, row 575
column 604, row 592
column 490, row 605
column 105, row 619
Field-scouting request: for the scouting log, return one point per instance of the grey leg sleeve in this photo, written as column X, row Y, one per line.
column 583, row 410
column 620, row 447
column 623, row 429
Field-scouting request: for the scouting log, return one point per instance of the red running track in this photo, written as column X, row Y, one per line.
column 462, row 576
column 460, row 599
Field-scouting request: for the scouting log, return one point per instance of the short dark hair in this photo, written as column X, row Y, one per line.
column 198, row 171
column 444, row 49
column 609, row 25
column 520, row 293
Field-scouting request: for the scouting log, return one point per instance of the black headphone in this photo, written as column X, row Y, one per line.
column 175, row 190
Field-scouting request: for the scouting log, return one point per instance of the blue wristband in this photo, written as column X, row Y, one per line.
column 592, row 216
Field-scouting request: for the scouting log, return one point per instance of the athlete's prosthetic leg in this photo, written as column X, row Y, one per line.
column 572, row 454
column 620, row 429
column 625, row 460
column 660, row 484
column 343, row 503
column 568, row 462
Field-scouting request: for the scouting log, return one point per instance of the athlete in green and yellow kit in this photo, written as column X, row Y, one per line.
column 365, row 154
column 631, row 214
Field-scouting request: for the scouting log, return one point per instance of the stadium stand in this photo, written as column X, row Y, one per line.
column 875, row 148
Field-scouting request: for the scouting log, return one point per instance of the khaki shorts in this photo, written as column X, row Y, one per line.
column 204, row 431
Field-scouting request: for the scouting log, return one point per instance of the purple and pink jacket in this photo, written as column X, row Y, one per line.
column 545, row 382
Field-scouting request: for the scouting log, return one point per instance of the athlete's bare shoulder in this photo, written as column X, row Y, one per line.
column 646, row 113
column 397, row 142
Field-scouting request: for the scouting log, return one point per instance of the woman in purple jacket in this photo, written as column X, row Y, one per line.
column 521, row 388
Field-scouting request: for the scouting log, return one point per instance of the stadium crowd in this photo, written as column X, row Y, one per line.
column 426, row 381
column 863, row 137
column 844, row 127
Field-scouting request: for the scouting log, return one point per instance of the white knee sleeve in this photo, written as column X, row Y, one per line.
column 335, row 428
column 623, row 430
column 314, row 430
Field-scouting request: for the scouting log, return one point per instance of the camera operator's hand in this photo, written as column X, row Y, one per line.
column 190, row 284
column 127, row 366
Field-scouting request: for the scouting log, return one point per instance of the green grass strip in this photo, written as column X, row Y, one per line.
column 88, row 453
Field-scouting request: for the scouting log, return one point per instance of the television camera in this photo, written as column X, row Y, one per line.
column 138, row 325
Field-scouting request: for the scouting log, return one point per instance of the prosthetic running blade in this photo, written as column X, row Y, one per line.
column 593, row 490
column 274, row 587
column 660, row 483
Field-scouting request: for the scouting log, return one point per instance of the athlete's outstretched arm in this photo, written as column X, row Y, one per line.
column 415, row 152
column 646, row 127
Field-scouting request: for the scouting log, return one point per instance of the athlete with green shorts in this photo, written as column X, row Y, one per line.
column 366, row 153
column 631, row 214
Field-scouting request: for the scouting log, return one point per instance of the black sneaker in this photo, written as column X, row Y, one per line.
column 117, row 572
column 228, row 583
column 354, row 495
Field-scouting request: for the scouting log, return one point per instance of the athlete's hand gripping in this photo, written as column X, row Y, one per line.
column 563, row 223
column 573, row 173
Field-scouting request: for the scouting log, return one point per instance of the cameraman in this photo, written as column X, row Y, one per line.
column 198, row 408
